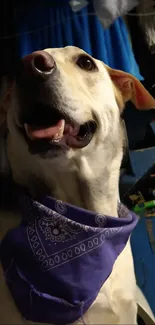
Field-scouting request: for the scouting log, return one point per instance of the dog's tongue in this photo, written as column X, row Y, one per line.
column 62, row 133
column 56, row 132
column 53, row 132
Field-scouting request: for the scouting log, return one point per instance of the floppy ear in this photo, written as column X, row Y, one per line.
column 132, row 89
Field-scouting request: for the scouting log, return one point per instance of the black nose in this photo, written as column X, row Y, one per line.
column 39, row 63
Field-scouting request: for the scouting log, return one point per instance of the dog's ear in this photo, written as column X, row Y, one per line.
column 131, row 89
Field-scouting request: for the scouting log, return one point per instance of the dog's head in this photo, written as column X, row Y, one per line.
column 64, row 100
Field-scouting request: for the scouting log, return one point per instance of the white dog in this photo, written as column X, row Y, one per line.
column 65, row 139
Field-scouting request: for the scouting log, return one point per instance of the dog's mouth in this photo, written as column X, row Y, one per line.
column 59, row 131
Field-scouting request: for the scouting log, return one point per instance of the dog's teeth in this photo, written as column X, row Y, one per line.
column 60, row 132
column 56, row 140
column 56, row 136
column 27, row 131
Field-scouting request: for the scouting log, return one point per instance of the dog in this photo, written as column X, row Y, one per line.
column 65, row 139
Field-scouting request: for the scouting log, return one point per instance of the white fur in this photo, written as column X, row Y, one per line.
column 96, row 167
column 85, row 177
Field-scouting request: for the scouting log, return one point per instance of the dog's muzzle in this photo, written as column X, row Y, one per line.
column 41, row 115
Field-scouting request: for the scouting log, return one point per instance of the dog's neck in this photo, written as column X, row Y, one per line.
column 89, row 184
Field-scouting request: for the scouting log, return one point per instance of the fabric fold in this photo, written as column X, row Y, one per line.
column 57, row 260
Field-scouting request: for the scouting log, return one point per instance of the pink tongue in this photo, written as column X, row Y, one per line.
column 45, row 133
column 57, row 132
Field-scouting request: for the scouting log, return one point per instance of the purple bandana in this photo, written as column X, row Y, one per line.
column 59, row 257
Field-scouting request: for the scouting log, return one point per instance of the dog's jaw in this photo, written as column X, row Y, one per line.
column 87, row 178
column 82, row 179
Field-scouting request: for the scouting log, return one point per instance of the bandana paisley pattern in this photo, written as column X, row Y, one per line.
column 52, row 255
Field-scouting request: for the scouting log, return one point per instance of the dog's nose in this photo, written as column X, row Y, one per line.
column 39, row 63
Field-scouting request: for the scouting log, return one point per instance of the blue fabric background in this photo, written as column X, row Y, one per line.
column 144, row 261
column 46, row 25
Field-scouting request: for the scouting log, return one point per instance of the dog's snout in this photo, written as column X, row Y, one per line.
column 39, row 63
column 43, row 62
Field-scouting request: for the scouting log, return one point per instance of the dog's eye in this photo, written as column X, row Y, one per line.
column 86, row 63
